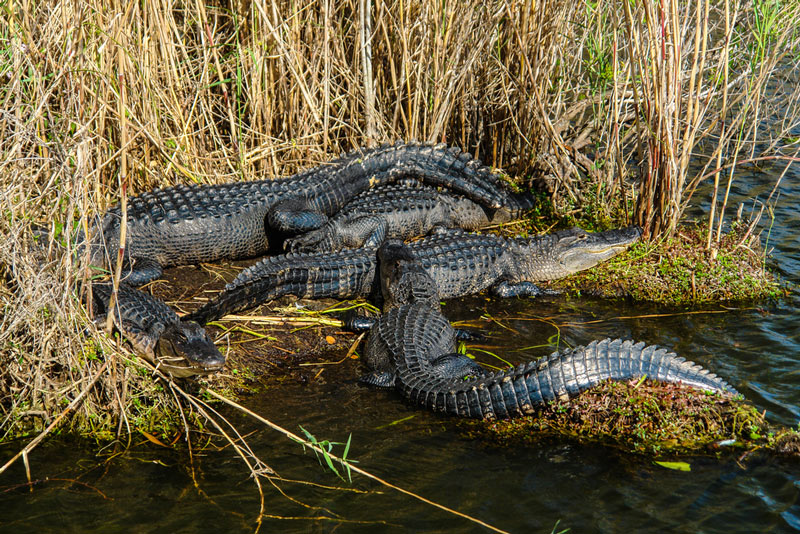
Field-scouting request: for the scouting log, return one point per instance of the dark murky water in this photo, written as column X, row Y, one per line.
column 584, row 488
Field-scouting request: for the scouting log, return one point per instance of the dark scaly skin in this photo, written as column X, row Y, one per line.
column 402, row 211
column 459, row 263
column 190, row 224
column 350, row 273
column 411, row 347
column 154, row 330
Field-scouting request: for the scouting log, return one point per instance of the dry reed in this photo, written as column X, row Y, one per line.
column 573, row 95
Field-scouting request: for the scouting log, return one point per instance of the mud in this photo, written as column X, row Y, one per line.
column 276, row 342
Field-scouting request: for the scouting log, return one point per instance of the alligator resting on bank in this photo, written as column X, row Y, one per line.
column 180, row 348
column 411, row 347
column 190, row 224
column 401, row 211
column 459, row 263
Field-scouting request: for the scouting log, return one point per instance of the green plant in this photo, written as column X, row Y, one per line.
column 324, row 448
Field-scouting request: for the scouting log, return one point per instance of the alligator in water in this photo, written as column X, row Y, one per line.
column 154, row 330
column 460, row 263
column 191, row 224
column 411, row 348
column 402, row 211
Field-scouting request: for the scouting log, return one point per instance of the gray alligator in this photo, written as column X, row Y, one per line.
column 191, row 224
column 154, row 330
column 402, row 211
column 460, row 263
column 411, row 347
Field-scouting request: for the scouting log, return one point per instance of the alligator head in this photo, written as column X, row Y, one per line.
column 569, row 251
column 403, row 279
column 184, row 349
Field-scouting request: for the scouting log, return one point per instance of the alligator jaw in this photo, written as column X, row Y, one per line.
column 582, row 250
column 184, row 349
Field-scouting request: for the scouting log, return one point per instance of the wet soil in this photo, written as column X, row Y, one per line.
column 277, row 342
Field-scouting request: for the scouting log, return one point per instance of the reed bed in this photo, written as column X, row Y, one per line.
column 605, row 107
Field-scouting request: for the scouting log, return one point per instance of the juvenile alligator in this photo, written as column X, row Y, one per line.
column 402, row 211
column 460, row 264
column 181, row 348
column 411, row 347
column 190, row 224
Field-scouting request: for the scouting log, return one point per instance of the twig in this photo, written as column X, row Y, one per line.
column 295, row 437
column 283, row 320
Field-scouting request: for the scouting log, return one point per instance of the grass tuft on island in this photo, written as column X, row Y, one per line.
column 680, row 270
column 647, row 417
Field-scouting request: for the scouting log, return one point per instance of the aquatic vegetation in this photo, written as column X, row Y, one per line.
column 650, row 418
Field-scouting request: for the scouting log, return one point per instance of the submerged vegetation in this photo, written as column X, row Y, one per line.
column 597, row 105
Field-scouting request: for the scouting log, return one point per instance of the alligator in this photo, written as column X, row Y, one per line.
column 401, row 211
column 411, row 348
column 191, row 224
column 154, row 330
column 461, row 264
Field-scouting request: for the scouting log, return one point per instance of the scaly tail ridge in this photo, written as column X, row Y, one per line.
column 560, row 376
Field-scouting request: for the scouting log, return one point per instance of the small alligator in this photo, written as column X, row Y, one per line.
column 181, row 348
column 190, row 224
column 411, row 347
column 460, row 263
column 402, row 211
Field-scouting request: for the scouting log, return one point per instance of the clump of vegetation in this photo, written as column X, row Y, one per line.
column 647, row 417
column 679, row 270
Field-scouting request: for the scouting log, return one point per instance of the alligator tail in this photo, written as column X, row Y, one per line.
column 343, row 274
column 560, row 376
column 438, row 165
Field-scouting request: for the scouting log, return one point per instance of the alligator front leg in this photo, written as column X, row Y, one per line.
column 507, row 289
column 294, row 216
column 139, row 271
column 367, row 231
column 359, row 323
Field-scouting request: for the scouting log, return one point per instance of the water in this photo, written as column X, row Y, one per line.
column 587, row 488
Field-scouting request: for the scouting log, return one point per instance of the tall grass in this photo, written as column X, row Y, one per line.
column 593, row 102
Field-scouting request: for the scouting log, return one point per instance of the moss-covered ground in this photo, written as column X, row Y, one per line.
column 680, row 270
column 647, row 417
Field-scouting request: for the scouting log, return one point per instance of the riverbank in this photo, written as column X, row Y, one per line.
column 681, row 271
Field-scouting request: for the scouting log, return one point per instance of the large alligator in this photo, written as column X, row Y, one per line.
column 154, row 330
column 460, row 263
column 402, row 211
column 411, row 347
column 191, row 224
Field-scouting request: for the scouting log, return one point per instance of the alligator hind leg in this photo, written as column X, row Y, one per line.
column 456, row 366
column 462, row 334
column 378, row 379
